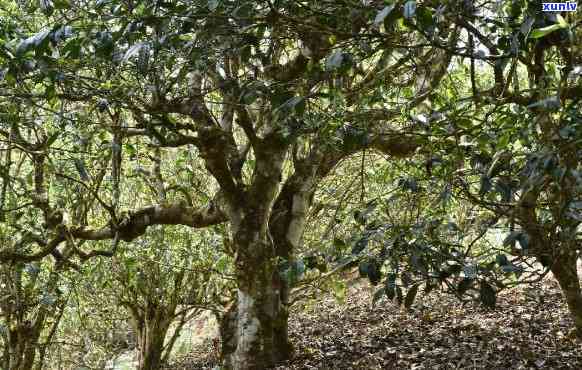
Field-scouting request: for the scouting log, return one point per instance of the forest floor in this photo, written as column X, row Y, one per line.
column 529, row 329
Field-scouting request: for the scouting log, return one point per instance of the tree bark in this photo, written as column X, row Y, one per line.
column 267, row 227
column 282, row 345
column 227, row 332
column 23, row 341
column 257, row 337
column 565, row 272
column 150, row 342
column 263, row 295
column 250, row 331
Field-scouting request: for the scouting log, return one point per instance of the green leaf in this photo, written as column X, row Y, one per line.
column 130, row 149
column 222, row 264
column 50, row 91
column 363, row 268
column 549, row 104
column 383, row 14
column 83, row 174
column 132, row 51
column 213, row 5
column 46, row 6
column 72, row 49
column 504, row 140
column 424, row 17
column 61, row 4
column 335, row 60
column 409, row 9
column 130, row 263
column 339, row 243
column 360, row 245
column 501, row 260
column 339, row 291
column 541, row 32
column 561, row 21
column 36, row 41
column 52, row 139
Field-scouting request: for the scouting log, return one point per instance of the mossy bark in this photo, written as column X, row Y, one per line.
column 254, row 328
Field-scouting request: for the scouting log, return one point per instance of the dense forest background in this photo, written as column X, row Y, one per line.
column 163, row 160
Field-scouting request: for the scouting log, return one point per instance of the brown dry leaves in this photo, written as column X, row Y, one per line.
column 529, row 330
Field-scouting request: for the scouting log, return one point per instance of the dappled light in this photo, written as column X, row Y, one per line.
column 282, row 184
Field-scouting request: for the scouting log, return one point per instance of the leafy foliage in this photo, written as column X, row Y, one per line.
column 425, row 144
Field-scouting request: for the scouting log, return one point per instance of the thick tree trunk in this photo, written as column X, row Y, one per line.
column 564, row 270
column 227, row 331
column 562, row 257
column 22, row 347
column 150, row 343
column 254, row 329
column 22, row 356
column 258, row 310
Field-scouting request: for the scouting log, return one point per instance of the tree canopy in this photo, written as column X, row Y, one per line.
column 175, row 156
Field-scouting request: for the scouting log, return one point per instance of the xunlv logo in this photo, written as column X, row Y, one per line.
column 559, row 7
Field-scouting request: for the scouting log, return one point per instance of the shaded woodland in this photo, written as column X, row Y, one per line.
column 323, row 179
